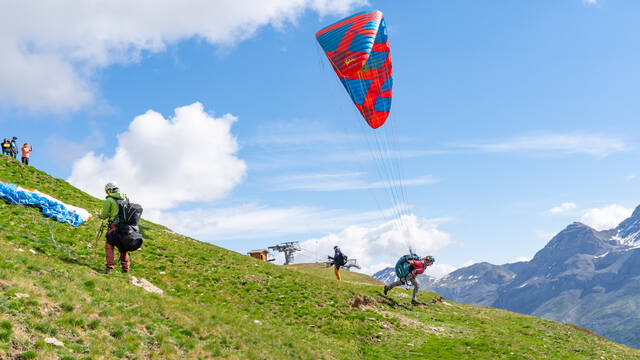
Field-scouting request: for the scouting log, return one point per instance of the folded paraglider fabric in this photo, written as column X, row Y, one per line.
column 50, row 206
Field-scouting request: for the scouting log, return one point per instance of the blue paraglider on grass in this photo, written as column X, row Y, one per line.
column 50, row 207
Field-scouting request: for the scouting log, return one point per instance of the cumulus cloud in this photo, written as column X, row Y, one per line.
column 563, row 208
column 374, row 242
column 594, row 145
column 163, row 162
column 50, row 49
column 250, row 221
column 376, row 246
column 606, row 217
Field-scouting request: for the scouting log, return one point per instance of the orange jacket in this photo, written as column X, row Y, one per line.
column 26, row 151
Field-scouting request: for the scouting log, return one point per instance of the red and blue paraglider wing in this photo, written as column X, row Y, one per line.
column 358, row 49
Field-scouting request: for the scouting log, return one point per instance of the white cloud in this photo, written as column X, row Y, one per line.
column 563, row 208
column 250, row 221
column 439, row 270
column 51, row 49
column 606, row 217
column 590, row 2
column 374, row 242
column 519, row 259
column 384, row 244
column 40, row 80
column 162, row 162
column 594, row 145
column 342, row 181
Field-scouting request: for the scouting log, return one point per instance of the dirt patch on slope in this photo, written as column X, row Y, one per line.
column 363, row 302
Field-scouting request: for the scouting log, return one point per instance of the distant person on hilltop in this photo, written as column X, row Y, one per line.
column 26, row 149
column 339, row 259
column 407, row 268
column 14, row 147
column 110, row 210
column 6, row 147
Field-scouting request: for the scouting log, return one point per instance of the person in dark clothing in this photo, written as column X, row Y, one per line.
column 338, row 260
column 109, row 212
column 14, row 147
column 6, row 147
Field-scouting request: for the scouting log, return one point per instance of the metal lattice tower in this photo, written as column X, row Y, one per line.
column 288, row 248
column 351, row 263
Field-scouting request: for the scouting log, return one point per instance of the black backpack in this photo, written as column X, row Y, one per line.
column 127, row 236
column 341, row 259
column 128, row 213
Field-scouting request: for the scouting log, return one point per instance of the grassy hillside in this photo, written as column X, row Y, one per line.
column 322, row 271
column 220, row 304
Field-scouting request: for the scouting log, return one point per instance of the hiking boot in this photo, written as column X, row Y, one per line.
column 125, row 271
column 416, row 303
column 107, row 271
column 386, row 289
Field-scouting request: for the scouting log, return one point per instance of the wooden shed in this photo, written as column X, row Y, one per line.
column 259, row 254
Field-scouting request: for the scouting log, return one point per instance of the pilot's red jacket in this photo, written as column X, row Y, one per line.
column 418, row 267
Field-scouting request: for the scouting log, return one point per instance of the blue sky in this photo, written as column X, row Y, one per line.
column 513, row 119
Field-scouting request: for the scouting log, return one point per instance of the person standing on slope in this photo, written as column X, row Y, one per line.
column 338, row 260
column 26, row 149
column 407, row 268
column 6, row 147
column 14, row 147
column 109, row 212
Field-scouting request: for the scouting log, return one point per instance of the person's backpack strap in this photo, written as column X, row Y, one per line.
column 122, row 205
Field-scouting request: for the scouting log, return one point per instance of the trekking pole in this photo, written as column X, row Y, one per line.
column 99, row 234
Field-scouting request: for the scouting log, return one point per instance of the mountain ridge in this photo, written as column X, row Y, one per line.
column 583, row 276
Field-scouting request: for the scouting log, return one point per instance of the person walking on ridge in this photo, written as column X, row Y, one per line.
column 26, row 149
column 110, row 209
column 407, row 268
column 338, row 260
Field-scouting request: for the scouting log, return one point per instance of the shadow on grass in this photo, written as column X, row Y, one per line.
column 76, row 261
column 383, row 299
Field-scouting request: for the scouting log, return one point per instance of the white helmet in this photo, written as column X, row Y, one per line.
column 111, row 186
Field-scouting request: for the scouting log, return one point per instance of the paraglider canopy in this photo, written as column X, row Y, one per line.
column 358, row 48
column 359, row 52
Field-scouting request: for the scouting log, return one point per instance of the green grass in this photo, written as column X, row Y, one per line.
column 321, row 270
column 221, row 304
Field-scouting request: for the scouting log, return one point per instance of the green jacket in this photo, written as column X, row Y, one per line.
column 110, row 207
